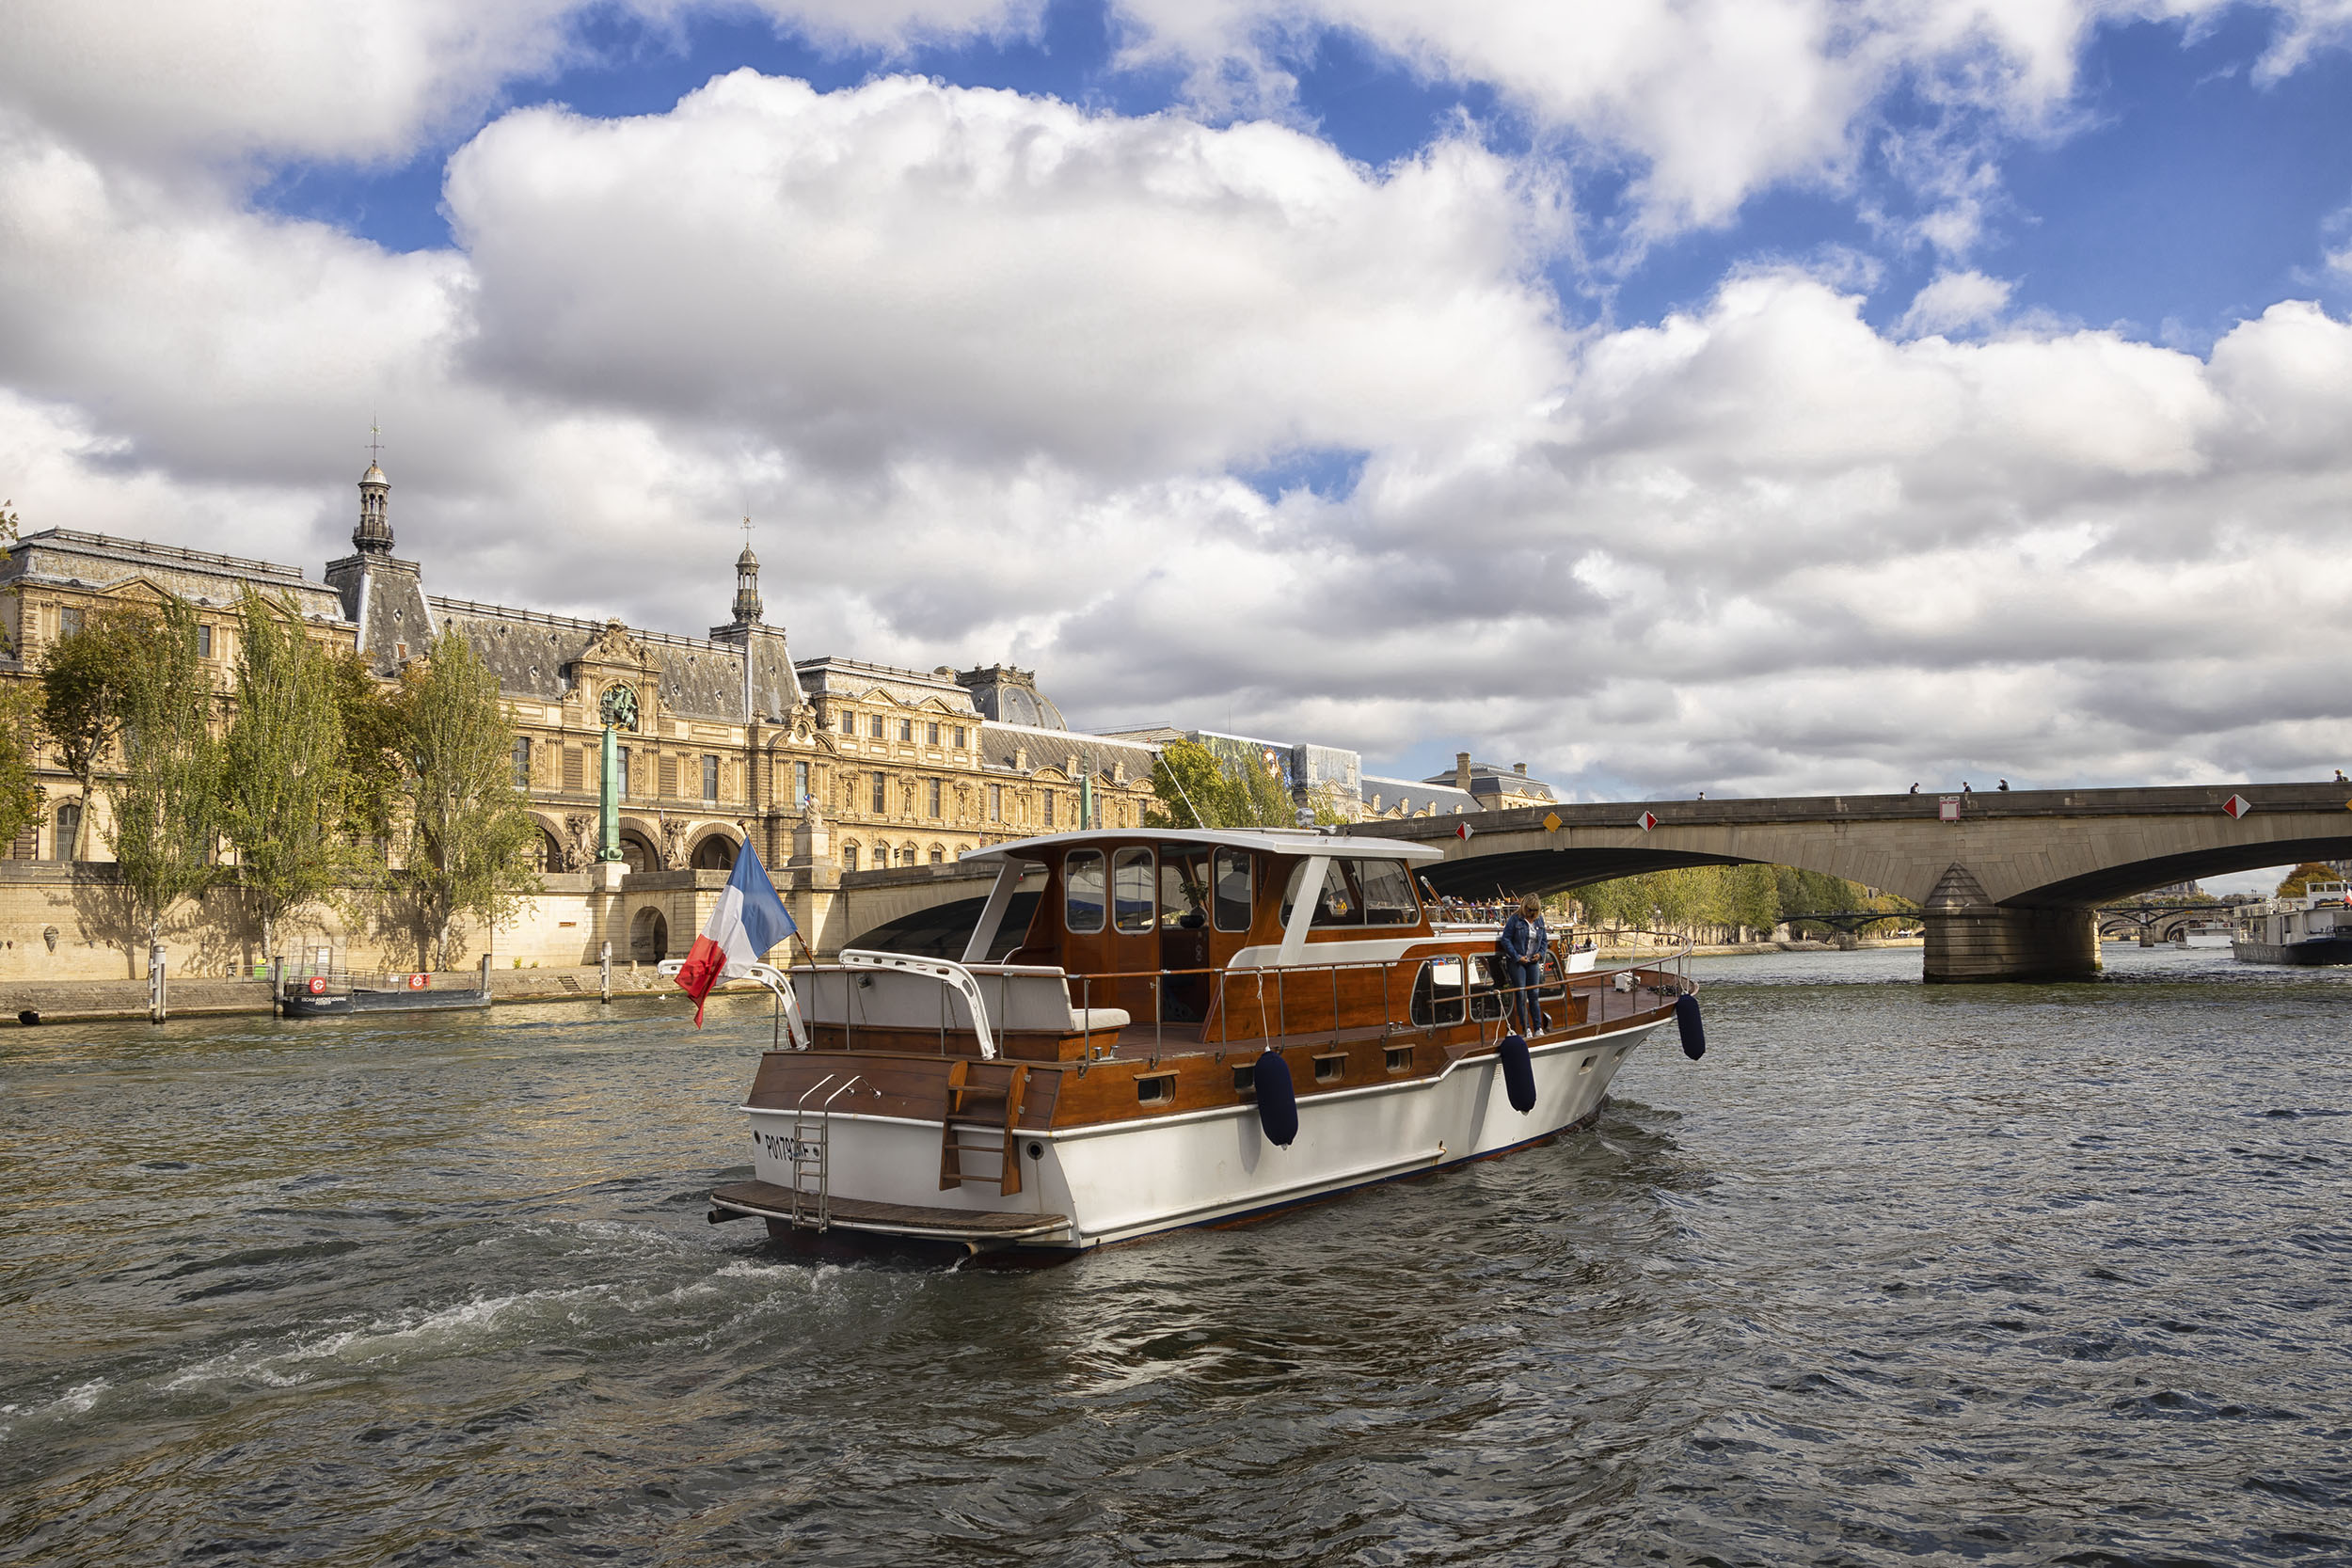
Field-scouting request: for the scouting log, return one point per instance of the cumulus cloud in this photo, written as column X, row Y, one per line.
column 1955, row 301
column 990, row 370
column 912, row 266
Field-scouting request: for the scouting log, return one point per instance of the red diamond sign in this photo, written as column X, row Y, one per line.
column 1647, row 820
column 2237, row 805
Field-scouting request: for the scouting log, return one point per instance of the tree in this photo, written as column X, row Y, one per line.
column 20, row 732
column 1199, row 787
column 86, row 678
column 2300, row 878
column 1753, row 897
column 167, row 814
column 374, row 726
column 469, row 829
column 284, row 781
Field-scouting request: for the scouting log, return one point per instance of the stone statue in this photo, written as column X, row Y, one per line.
column 580, row 840
column 810, row 815
column 672, row 843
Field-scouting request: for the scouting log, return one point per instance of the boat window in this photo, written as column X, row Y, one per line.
column 1232, row 890
column 1387, row 893
column 1131, row 889
column 1082, row 891
column 1339, row 904
column 1184, row 887
column 1437, row 992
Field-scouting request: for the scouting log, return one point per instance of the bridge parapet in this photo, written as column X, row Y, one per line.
column 2008, row 885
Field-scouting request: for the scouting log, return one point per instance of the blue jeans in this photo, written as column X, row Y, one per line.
column 1521, row 1009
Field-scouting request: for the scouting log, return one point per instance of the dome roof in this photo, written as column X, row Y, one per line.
column 374, row 475
column 1011, row 696
column 747, row 557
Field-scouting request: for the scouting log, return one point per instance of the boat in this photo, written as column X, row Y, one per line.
column 340, row 993
column 2313, row 927
column 1149, row 1031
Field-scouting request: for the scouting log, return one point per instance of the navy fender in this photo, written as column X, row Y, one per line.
column 1278, row 1102
column 1519, row 1073
column 1693, row 1031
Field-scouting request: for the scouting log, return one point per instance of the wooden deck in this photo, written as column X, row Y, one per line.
column 766, row 1200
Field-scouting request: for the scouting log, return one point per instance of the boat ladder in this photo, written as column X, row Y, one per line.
column 983, row 1107
column 810, row 1159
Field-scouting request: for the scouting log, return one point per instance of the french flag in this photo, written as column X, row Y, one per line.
column 749, row 921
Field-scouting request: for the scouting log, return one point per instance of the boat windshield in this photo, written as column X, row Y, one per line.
column 1357, row 893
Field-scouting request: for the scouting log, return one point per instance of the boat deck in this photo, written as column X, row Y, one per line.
column 1605, row 1008
column 766, row 1200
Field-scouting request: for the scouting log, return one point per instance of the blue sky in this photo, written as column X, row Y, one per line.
column 1740, row 395
column 2176, row 196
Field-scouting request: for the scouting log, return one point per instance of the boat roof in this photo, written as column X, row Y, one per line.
column 1272, row 841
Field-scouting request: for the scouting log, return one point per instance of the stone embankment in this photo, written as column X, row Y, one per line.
column 88, row 1001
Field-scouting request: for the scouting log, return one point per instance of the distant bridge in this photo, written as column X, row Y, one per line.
column 2006, row 891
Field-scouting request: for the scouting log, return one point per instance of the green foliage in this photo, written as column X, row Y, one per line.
column 2303, row 876
column 167, row 814
column 470, row 831
column 1686, row 898
column 1224, row 787
column 284, row 784
column 20, row 732
column 85, row 681
column 372, row 727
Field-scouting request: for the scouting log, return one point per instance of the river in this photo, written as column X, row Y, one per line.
column 1895, row 1274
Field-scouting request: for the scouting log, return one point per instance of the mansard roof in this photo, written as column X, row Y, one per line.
column 854, row 680
column 530, row 652
column 65, row 557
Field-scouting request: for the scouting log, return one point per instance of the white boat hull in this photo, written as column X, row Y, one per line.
column 1130, row 1179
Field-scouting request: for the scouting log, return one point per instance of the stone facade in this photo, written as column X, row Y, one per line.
column 728, row 738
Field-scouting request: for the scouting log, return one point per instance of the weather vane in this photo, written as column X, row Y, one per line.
column 376, row 446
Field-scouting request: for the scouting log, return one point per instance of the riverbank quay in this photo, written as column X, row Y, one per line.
column 104, row 1001
column 1893, row 1273
column 1635, row 953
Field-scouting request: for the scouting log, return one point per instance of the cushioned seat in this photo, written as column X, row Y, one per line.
column 1098, row 1017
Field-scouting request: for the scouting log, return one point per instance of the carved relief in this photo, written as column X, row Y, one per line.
column 673, row 843
column 580, row 840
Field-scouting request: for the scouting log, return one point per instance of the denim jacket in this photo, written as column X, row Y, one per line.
column 1523, row 941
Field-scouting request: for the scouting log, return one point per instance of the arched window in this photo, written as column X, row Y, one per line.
column 69, row 826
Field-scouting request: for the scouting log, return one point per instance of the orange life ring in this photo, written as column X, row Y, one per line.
column 418, row 981
column 318, row 985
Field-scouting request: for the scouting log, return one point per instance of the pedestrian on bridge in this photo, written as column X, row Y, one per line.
column 1520, row 954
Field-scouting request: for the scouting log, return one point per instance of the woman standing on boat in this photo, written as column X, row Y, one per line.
column 1521, row 953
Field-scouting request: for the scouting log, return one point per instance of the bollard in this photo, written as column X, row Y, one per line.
column 155, row 982
column 604, row 972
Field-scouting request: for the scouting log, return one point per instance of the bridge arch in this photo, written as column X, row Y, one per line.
column 2007, row 882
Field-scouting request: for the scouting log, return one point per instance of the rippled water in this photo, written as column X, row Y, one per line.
column 1990, row 1275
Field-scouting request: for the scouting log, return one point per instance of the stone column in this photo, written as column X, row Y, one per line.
column 1972, row 939
column 814, row 890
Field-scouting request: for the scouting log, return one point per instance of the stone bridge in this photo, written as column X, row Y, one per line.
column 2008, row 889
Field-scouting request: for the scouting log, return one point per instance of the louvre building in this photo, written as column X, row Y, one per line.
column 834, row 767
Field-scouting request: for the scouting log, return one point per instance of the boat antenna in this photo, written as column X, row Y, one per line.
column 1181, row 795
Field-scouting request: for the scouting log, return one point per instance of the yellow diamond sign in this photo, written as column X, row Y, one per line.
column 1552, row 821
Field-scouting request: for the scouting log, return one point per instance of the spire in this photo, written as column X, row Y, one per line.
column 374, row 536
column 747, row 605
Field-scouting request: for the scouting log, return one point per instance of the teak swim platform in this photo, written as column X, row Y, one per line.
column 1150, row 1030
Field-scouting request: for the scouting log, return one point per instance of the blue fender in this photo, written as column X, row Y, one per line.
column 1693, row 1031
column 1519, row 1073
column 1277, row 1102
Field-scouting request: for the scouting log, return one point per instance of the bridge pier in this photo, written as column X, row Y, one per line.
column 1971, row 940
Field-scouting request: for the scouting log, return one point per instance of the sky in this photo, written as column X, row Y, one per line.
column 1742, row 396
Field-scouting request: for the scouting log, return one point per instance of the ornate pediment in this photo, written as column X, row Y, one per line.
column 613, row 646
